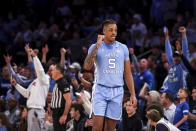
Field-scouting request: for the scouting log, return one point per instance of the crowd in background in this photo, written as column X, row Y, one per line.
column 61, row 31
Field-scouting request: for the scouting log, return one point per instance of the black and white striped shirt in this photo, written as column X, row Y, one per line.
column 61, row 87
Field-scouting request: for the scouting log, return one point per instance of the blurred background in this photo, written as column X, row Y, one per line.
column 74, row 24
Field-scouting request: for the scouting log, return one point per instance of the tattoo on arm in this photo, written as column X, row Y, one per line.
column 90, row 59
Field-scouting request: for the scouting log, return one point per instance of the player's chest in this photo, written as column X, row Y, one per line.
column 113, row 52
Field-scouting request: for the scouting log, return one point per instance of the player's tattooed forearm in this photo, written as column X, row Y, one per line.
column 90, row 59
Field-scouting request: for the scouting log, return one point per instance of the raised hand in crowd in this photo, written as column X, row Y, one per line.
column 33, row 53
column 166, row 34
column 13, row 81
column 8, row 59
column 63, row 52
column 36, row 51
column 182, row 29
column 45, row 49
column 27, row 49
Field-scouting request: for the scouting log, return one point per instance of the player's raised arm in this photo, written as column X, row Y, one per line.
column 90, row 59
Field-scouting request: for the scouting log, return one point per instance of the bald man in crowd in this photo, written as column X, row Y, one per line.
column 143, row 76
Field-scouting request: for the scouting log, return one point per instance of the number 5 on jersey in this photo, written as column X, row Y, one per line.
column 112, row 63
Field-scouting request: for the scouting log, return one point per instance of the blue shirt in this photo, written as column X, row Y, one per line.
column 109, row 63
column 52, row 84
column 181, row 110
column 3, row 128
column 23, row 81
column 176, row 78
column 15, row 94
column 5, row 85
column 140, row 79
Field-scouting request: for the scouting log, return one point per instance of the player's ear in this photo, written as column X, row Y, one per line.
column 103, row 31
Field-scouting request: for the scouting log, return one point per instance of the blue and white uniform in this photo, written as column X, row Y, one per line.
column 109, row 70
column 165, row 125
column 176, row 78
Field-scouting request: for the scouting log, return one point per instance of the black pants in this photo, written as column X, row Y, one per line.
column 56, row 114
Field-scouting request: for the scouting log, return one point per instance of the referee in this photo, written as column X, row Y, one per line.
column 61, row 99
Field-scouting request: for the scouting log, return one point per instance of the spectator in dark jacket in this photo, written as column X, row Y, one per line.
column 191, row 67
column 79, row 118
column 131, row 118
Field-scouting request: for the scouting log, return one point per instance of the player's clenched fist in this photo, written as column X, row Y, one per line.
column 100, row 39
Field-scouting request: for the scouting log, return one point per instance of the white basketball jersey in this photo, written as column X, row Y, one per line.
column 168, row 125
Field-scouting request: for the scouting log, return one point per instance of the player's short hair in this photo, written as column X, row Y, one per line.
column 169, row 96
column 108, row 22
column 154, row 115
column 60, row 68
